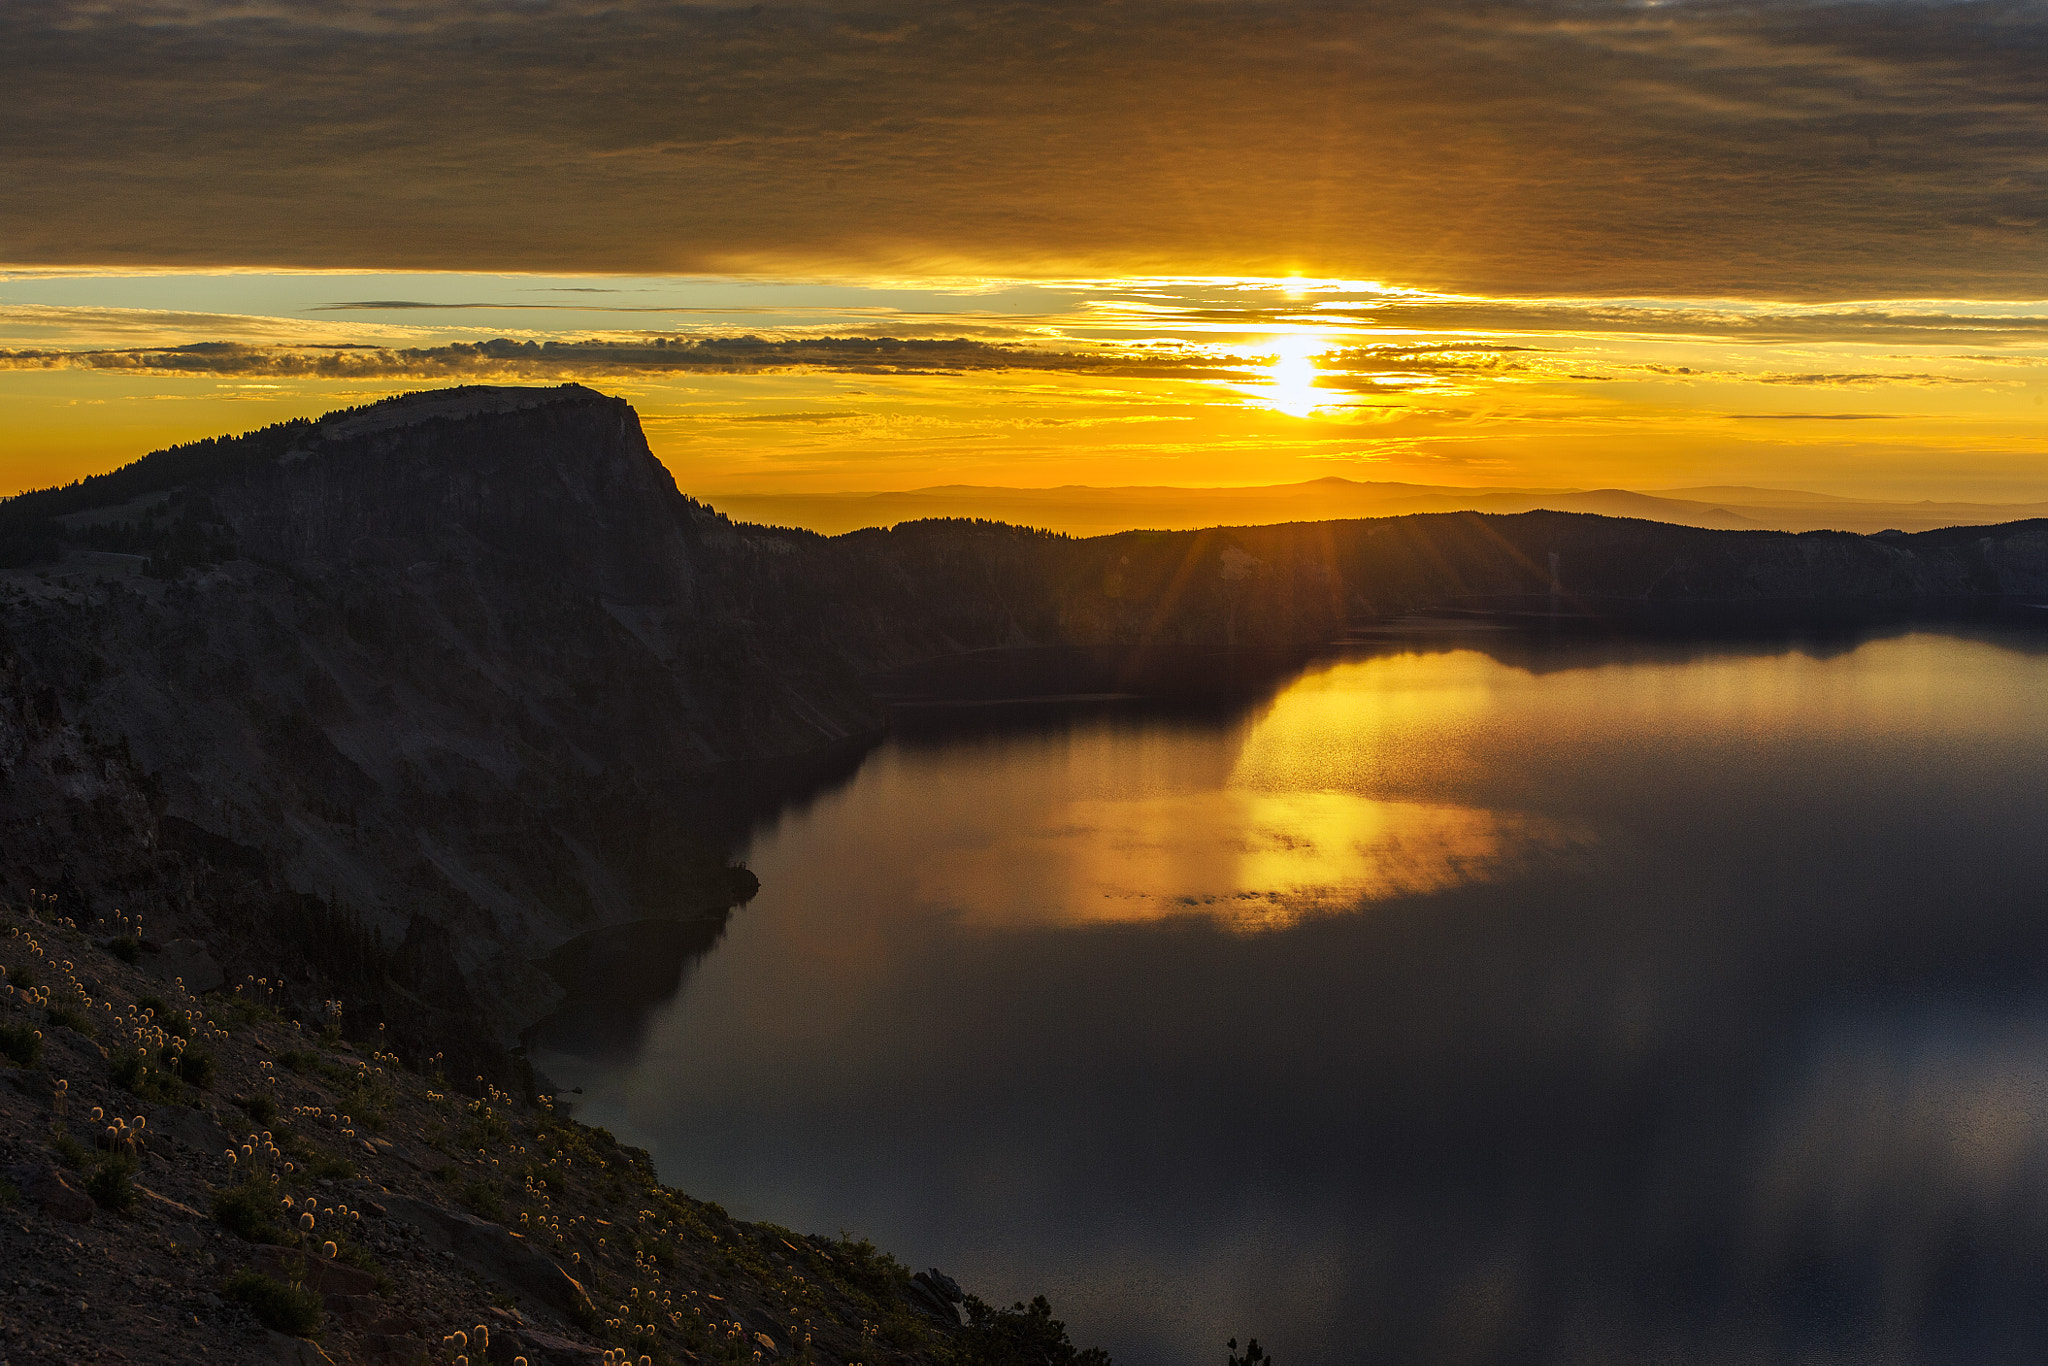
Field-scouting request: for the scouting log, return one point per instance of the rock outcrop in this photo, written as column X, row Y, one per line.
column 495, row 1253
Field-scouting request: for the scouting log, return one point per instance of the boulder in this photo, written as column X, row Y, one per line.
column 401, row 1349
column 33, row 1082
column 392, row 1323
column 188, row 961
column 291, row 1351
column 367, row 1309
column 168, row 1208
column 184, row 1237
column 545, row 1349
column 50, row 1190
column 196, row 1129
column 72, row 1043
column 926, row 1297
column 321, row 1274
column 494, row 1252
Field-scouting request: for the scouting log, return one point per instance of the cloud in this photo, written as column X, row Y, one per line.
column 1882, row 148
column 1941, row 322
column 403, row 305
column 1864, row 380
column 1814, row 417
column 90, row 325
column 571, row 359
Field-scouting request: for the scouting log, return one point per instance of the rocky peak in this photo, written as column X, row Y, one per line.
column 559, row 480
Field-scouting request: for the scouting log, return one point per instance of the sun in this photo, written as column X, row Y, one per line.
column 1290, row 386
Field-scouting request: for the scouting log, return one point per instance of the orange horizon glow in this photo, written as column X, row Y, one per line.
column 1161, row 383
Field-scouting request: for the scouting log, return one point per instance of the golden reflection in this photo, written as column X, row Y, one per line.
column 1250, row 860
column 1331, row 798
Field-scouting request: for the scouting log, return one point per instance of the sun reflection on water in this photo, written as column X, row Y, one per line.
column 1299, row 820
column 1246, row 860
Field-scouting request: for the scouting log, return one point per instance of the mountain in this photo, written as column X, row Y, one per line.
column 1084, row 511
column 421, row 704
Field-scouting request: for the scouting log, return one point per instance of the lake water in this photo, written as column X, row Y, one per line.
column 1468, row 999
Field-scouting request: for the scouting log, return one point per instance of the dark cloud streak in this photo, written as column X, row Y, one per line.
column 506, row 358
column 1876, row 149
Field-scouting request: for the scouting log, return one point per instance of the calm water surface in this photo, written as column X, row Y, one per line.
column 1473, row 1000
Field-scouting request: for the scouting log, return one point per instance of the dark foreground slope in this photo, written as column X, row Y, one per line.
column 196, row 1178
column 405, row 700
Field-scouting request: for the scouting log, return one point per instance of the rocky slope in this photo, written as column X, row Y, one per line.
column 195, row 1177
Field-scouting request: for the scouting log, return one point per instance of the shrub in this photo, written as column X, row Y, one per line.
column 147, row 1078
column 286, row 1308
column 69, row 1151
column 354, row 1254
column 71, row 1019
column 249, row 1212
column 22, row 1045
column 112, row 1184
column 321, row 1163
column 259, row 1107
column 125, row 947
column 196, row 1065
column 1020, row 1335
column 864, row 1267
column 171, row 1021
column 23, row 978
column 228, row 1011
column 483, row 1199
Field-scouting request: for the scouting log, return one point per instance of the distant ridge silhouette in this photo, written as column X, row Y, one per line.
column 1084, row 510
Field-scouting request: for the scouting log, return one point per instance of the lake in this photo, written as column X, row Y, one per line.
column 1470, row 997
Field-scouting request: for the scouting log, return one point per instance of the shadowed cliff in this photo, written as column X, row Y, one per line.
column 411, row 696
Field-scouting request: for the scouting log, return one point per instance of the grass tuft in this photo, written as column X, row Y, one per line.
column 286, row 1308
column 112, row 1183
column 249, row 1211
column 22, row 1045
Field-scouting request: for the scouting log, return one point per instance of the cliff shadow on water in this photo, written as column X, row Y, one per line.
column 614, row 979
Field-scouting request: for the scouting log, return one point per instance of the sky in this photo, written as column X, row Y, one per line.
column 834, row 246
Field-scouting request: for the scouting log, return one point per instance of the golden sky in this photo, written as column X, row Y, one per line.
column 1560, row 243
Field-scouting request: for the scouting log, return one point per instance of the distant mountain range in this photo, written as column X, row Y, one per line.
column 1080, row 510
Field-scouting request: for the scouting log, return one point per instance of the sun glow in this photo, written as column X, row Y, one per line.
column 1291, row 384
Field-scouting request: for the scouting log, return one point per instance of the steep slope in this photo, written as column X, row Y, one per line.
column 197, row 1177
column 441, row 662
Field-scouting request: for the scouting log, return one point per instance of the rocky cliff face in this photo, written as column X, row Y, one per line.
column 451, row 673
column 450, row 677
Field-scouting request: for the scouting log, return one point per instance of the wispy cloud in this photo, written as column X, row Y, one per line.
column 1818, row 148
column 559, row 359
column 1813, row 417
